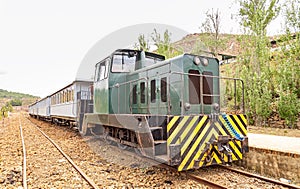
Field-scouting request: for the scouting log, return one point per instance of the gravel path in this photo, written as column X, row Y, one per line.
column 11, row 153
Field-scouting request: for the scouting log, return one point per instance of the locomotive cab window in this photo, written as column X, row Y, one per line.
column 123, row 63
column 102, row 70
column 194, row 87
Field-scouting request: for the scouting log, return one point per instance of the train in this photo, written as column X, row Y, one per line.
column 170, row 110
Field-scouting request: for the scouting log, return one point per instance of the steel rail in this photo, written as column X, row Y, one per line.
column 24, row 174
column 194, row 177
column 188, row 175
column 80, row 171
column 205, row 182
column 261, row 177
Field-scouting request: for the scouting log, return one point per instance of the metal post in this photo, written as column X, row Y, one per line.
column 201, row 93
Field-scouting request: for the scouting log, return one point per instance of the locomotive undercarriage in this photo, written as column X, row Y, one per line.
column 187, row 142
column 140, row 132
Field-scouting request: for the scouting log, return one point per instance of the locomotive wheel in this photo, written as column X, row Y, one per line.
column 122, row 146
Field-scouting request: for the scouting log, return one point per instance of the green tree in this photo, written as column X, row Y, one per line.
column 143, row 43
column 287, row 76
column 255, row 16
column 5, row 109
column 16, row 102
column 292, row 16
column 163, row 44
column 212, row 27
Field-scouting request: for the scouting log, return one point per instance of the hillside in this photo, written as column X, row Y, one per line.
column 8, row 96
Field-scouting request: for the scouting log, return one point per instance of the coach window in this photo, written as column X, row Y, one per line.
column 72, row 95
column 69, row 96
column 163, row 89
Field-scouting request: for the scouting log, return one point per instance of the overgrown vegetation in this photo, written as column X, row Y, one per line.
column 4, row 110
column 15, row 98
column 272, row 79
column 162, row 45
column 211, row 29
column 271, row 75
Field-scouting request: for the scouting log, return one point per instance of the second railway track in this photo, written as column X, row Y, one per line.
column 228, row 177
column 45, row 164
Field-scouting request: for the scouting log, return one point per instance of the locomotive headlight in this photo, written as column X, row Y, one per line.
column 216, row 106
column 204, row 61
column 197, row 60
column 187, row 106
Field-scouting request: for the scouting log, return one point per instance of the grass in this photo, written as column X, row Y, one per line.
column 274, row 131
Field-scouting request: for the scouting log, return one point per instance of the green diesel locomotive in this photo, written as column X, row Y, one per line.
column 168, row 110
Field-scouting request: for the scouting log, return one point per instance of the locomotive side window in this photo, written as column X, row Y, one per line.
column 134, row 95
column 102, row 70
column 123, row 63
column 194, row 86
column 143, row 96
column 163, row 89
column 153, row 89
column 207, row 87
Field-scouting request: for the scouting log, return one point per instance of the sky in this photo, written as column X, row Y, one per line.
column 42, row 42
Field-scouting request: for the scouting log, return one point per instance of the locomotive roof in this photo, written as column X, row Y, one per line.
column 76, row 81
column 146, row 52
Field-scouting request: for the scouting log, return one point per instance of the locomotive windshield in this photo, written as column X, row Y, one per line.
column 125, row 61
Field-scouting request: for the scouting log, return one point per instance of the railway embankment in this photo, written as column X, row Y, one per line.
column 274, row 156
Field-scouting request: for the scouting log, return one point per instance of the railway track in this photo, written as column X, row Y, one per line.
column 244, row 179
column 273, row 181
column 228, row 177
column 58, row 161
column 197, row 178
column 239, row 180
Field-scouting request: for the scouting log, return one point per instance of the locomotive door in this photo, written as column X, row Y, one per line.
column 139, row 97
column 101, row 94
column 158, row 96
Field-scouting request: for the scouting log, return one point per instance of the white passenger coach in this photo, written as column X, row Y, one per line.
column 66, row 105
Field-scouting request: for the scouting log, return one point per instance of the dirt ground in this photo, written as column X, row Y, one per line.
column 274, row 131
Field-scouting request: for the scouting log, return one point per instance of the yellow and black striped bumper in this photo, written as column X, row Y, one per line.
column 194, row 134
